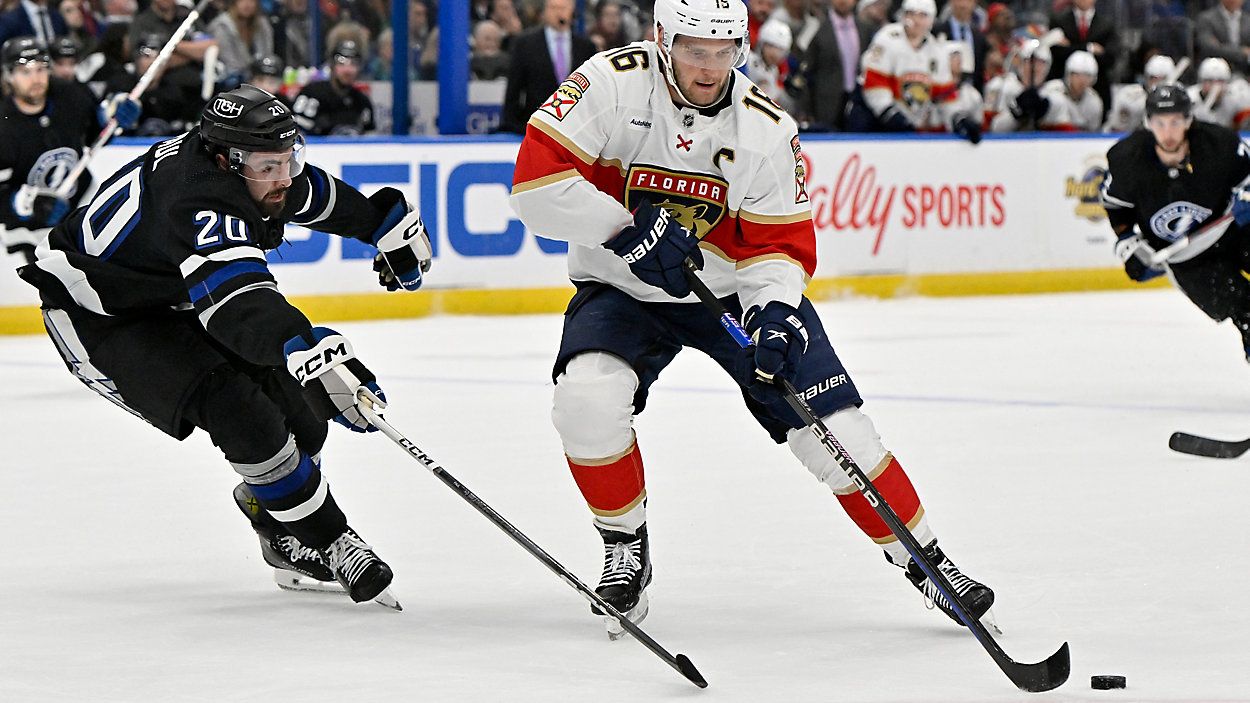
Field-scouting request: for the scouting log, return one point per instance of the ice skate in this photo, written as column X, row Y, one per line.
column 975, row 596
column 626, row 574
column 362, row 574
column 296, row 567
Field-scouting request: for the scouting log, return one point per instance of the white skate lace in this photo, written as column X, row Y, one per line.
column 349, row 556
column 962, row 584
column 295, row 550
column 620, row 562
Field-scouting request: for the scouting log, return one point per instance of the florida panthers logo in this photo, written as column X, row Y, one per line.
column 696, row 200
column 915, row 89
column 51, row 168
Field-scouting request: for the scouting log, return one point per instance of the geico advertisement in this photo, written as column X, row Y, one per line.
column 879, row 206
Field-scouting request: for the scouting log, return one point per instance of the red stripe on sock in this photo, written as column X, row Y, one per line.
column 896, row 488
column 611, row 487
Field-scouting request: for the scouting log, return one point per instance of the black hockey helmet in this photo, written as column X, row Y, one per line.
column 346, row 51
column 150, row 44
column 64, row 48
column 268, row 65
column 246, row 121
column 22, row 50
column 1168, row 97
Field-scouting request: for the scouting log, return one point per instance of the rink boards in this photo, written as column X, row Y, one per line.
column 931, row 216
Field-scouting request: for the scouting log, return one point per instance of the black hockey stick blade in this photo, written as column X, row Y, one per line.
column 686, row 667
column 1205, row 446
column 1042, row 676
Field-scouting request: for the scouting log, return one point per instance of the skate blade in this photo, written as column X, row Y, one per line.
column 636, row 614
column 386, row 599
column 991, row 623
column 294, row 581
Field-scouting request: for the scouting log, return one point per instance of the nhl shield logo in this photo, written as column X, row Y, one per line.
column 696, row 200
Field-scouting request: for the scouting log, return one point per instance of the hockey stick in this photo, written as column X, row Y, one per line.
column 1208, row 232
column 1205, row 446
column 1042, row 676
column 110, row 128
column 682, row 663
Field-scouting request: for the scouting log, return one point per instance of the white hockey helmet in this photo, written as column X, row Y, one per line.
column 777, row 33
column 1160, row 66
column 1081, row 62
column 1214, row 69
column 1034, row 49
column 703, row 19
column 964, row 50
column 924, row 7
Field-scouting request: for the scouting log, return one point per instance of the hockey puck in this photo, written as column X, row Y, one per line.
column 1107, row 682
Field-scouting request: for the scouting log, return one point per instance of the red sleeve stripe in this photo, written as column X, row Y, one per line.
column 547, row 157
column 874, row 79
column 750, row 242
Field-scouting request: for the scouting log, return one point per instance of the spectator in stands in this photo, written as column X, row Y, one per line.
column 479, row 10
column 541, row 59
column 111, row 56
column 1086, row 29
column 418, row 35
column 379, row 66
column 118, row 11
column 80, row 24
column 608, row 32
column 163, row 17
column 242, row 34
column 768, row 66
column 32, row 18
column 873, row 15
column 267, row 74
column 831, row 65
column 758, row 12
column 999, row 39
column 1224, row 32
column 171, row 103
column 961, row 26
column 296, row 32
column 802, row 21
column 336, row 106
column 64, row 55
column 505, row 15
column 488, row 62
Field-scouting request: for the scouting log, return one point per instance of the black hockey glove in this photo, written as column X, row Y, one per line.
column 967, row 128
column 404, row 251
column 893, row 120
column 1133, row 250
column 1030, row 103
column 324, row 363
column 780, row 339
column 39, row 207
column 656, row 247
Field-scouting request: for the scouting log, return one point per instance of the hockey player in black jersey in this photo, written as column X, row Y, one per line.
column 158, row 296
column 336, row 106
column 44, row 124
column 1164, row 181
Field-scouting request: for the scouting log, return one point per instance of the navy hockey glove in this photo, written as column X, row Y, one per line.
column 1241, row 206
column 122, row 108
column 404, row 252
column 1133, row 250
column 1030, row 103
column 780, row 339
column 39, row 207
column 656, row 247
column 324, row 363
column 967, row 128
column 893, row 120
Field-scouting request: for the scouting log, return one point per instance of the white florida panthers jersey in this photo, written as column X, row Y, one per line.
column 611, row 136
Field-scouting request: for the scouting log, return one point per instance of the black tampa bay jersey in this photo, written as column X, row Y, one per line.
column 172, row 233
column 1166, row 203
column 321, row 109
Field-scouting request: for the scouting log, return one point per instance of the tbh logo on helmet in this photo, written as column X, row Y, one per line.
column 227, row 108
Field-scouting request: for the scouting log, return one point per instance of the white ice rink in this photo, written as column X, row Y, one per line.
column 1035, row 429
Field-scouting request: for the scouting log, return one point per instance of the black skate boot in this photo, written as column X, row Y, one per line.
column 626, row 574
column 280, row 548
column 976, row 596
column 364, row 576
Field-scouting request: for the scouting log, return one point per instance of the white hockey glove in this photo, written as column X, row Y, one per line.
column 39, row 206
column 404, row 251
column 1135, row 254
column 325, row 364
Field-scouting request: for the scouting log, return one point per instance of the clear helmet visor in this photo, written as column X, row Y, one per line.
column 270, row 166
column 715, row 55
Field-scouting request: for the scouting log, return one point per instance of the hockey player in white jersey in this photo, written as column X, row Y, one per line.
column 1075, row 106
column 1217, row 98
column 968, row 103
column 767, row 67
column 647, row 156
column 1128, row 102
column 1013, row 99
column 906, row 80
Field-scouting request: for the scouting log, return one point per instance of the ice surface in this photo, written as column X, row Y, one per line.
column 1035, row 429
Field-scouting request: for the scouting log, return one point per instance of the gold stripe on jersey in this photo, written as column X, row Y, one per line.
column 774, row 219
column 774, row 257
column 545, row 181
column 573, row 148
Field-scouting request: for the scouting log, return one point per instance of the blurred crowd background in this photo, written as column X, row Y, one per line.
column 1018, row 66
